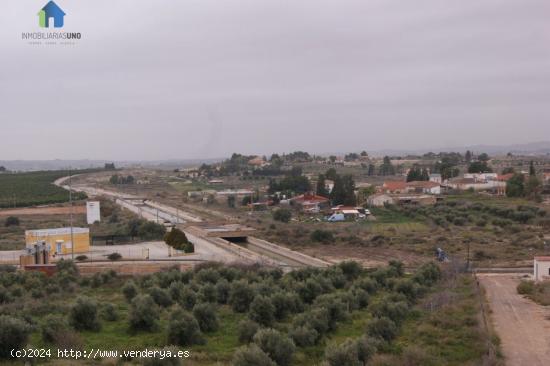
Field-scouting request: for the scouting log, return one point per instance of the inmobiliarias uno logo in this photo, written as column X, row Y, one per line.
column 51, row 16
column 51, row 11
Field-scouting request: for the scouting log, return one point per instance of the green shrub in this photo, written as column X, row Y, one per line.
column 222, row 291
column 286, row 303
column 129, row 290
column 206, row 316
column 53, row 327
column 84, row 315
column 262, row 311
column 183, row 329
column 276, row 345
column 240, row 296
column 304, row 336
column 526, row 288
column 351, row 269
column 160, row 296
column 5, row 296
column 114, row 256
column 144, row 313
column 366, row 349
column 208, row 293
column 337, row 310
column 282, row 215
column 344, row 354
column 322, row 236
column 247, row 329
column 11, row 221
column 251, row 356
column 109, row 312
column 382, row 328
column 14, row 334
column 188, row 298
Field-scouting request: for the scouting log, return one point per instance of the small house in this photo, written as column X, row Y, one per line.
column 541, row 268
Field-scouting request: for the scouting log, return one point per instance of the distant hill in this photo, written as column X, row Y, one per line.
column 533, row 148
column 60, row 164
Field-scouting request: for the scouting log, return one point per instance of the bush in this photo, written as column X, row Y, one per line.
column 222, row 291
column 351, row 269
column 206, row 316
column 84, row 315
column 14, row 334
column 304, row 336
column 114, row 256
column 251, row 356
column 183, row 329
column 526, row 288
column 208, row 293
column 188, row 298
column 176, row 239
column 53, row 327
column 240, row 296
column 67, row 266
column 247, row 329
column 344, row 354
column 282, row 215
column 366, row 349
column 108, row 312
column 11, row 221
column 285, row 303
column 262, row 311
column 337, row 310
column 322, row 236
column 144, row 313
column 277, row 346
column 150, row 230
column 130, row 290
column 382, row 328
column 160, row 296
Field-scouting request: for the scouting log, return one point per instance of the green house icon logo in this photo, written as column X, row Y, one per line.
column 51, row 11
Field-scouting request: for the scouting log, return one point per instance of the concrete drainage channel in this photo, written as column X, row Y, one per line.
column 249, row 250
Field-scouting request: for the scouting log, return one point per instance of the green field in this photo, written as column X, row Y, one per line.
column 34, row 188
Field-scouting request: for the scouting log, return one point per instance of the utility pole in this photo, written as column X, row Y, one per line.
column 71, row 212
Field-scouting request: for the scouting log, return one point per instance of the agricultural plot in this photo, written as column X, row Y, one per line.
column 342, row 315
column 30, row 189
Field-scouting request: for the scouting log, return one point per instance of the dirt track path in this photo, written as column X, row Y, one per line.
column 521, row 324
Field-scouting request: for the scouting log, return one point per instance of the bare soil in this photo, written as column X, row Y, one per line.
column 64, row 210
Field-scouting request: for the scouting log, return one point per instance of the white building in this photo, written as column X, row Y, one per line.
column 93, row 212
column 436, row 178
column 379, row 200
column 541, row 268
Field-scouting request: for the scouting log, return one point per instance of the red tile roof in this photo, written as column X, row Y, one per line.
column 393, row 186
column 309, row 198
column 423, row 184
column 505, row 177
column 543, row 259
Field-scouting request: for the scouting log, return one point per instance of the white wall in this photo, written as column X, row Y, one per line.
column 541, row 270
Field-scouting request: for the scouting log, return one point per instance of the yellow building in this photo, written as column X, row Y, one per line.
column 59, row 240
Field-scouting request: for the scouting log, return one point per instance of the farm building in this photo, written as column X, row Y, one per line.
column 310, row 202
column 541, row 268
column 379, row 200
column 59, row 240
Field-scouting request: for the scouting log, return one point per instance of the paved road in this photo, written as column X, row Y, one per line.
column 521, row 324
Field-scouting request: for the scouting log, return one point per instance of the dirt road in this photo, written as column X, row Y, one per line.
column 521, row 324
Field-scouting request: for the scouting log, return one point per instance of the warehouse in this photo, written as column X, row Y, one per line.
column 58, row 241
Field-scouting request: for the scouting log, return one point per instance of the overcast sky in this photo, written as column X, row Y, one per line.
column 203, row 78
